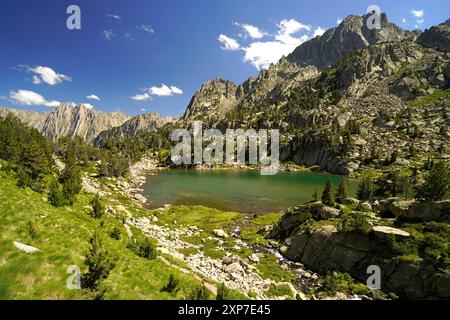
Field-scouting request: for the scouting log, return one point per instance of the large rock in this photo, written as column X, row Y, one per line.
column 220, row 233
column 383, row 231
column 429, row 211
column 394, row 206
column 294, row 217
column 291, row 219
column 25, row 248
column 325, row 212
column 326, row 249
column 235, row 267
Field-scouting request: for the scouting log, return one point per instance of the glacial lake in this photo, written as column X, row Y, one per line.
column 239, row 191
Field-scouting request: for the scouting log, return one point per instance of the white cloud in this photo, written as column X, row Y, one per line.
column 47, row 75
column 176, row 90
column 419, row 16
column 229, row 43
column 418, row 13
column 339, row 20
column 252, row 31
column 262, row 54
column 404, row 20
column 113, row 17
column 92, row 97
column 318, row 32
column 287, row 28
column 108, row 34
column 143, row 110
column 164, row 90
column 141, row 97
column 145, row 27
column 31, row 98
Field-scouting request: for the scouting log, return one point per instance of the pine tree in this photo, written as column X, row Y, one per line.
column 342, row 192
column 327, row 194
column 315, row 196
column 55, row 196
column 172, row 285
column 223, row 293
column 98, row 261
column 365, row 189
column 97, row 207
column 436, row 185
column 71, row 180
column 199, row 293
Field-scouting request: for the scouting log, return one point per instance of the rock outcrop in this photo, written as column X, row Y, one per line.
column 409, row 210
column 437, row 37
column 325, row 249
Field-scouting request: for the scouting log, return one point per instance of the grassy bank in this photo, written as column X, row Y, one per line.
column 62, row 236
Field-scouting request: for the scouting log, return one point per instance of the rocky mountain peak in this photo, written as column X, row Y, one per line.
column 215, row 98
column 351, row 35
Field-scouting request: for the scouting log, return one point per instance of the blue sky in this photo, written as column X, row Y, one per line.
column 129, row 49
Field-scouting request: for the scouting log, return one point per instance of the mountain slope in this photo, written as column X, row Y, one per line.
column 379, row 92
column 148, row 122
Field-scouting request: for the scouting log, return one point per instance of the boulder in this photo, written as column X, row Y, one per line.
column 429, row 211
column 227, row 260
column 139, row 197
column 383, row 231
column 235, row 267
column 142, row 223
column 291, row 219
column 394, row 206
column 365, row 206
column 220, row 233
column 121, row 208
column 25, row 248
column 254, row 258
column 326, row 212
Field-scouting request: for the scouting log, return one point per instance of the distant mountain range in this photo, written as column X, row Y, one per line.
column 67, row 121
column 371, row 84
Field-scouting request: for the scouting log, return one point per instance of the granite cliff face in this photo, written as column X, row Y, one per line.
column 67, row 121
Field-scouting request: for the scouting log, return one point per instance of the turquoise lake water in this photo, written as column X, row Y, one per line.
column 246, row 192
